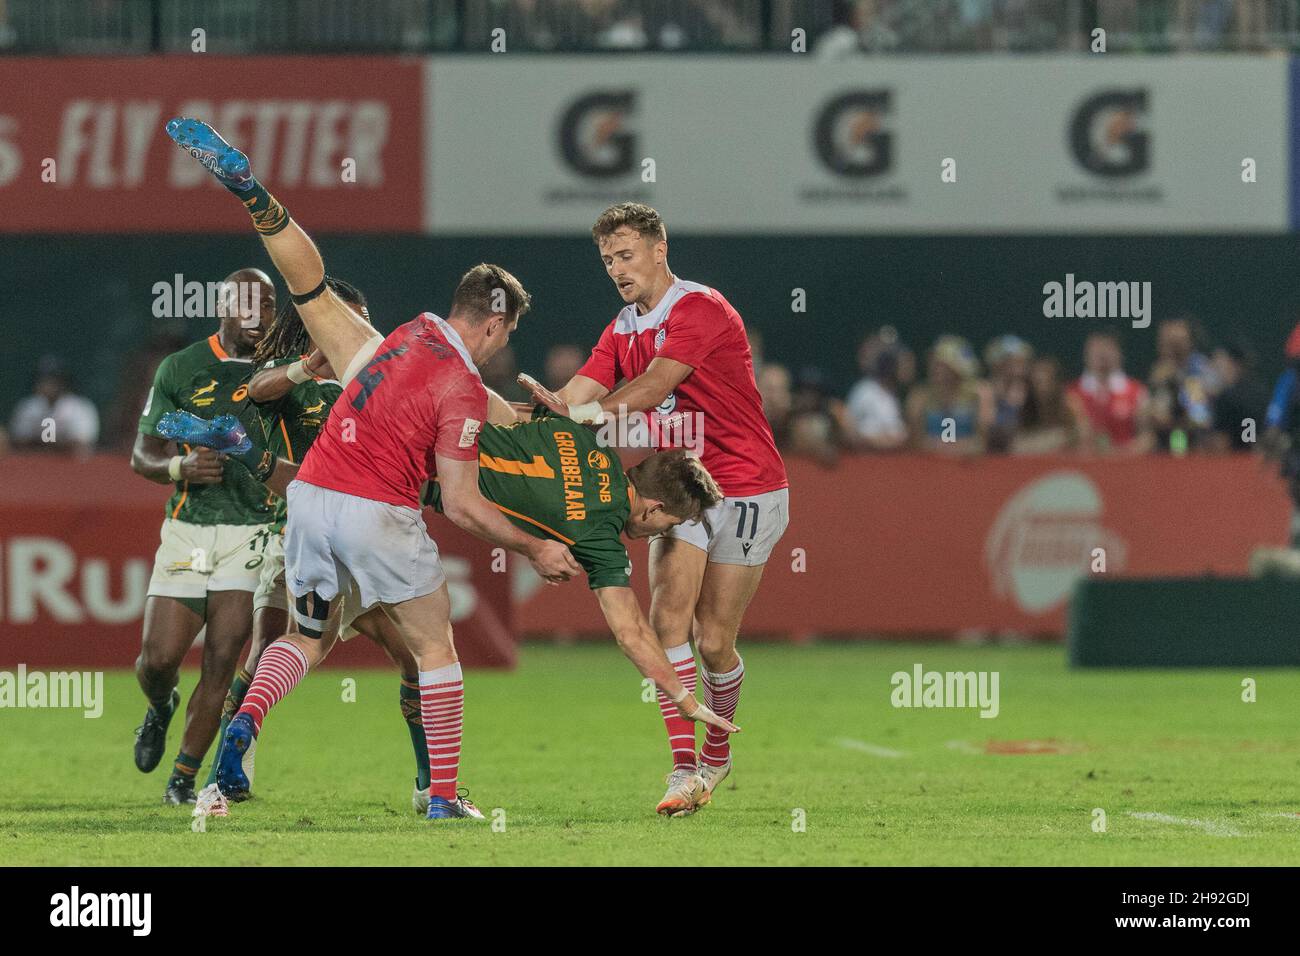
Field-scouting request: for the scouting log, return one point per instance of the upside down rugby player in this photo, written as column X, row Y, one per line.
column 552, row 479
column 680, row 350
column 412, row 405
column 213, row 539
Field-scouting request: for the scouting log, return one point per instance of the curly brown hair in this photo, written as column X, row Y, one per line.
column 634, row 215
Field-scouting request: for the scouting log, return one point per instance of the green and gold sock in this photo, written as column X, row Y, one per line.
column 409, row 696
column 185, row 768
column 269, row 217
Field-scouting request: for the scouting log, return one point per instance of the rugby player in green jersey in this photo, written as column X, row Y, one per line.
column 551, row 478
column 213, row 538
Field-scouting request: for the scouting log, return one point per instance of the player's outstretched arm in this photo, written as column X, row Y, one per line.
column 637, row 639
column 465, row 506
column 581, row 390
column 337, row 331
column 647, row 390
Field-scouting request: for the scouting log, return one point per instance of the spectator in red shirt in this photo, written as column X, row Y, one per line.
column 1115, row 405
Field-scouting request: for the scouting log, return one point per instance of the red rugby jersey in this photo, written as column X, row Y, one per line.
column 1113, row 405
column 696, row 326
column 419, row 396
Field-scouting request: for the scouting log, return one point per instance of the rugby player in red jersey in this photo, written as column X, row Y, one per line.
column 680, row 350
column 412, row 406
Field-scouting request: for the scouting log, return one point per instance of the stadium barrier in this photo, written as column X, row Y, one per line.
column 1195, row 622
column 77, row 540
column 900, row 546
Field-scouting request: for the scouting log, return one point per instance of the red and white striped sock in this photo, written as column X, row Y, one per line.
column 442, row 708
column 721, row 693
column 279, row 669
column 681, row 732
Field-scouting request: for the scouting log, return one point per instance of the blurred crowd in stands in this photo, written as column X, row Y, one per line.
column 1012, row 400
column 827, row 28
column 952, row 399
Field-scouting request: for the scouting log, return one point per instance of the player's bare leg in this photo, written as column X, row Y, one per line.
column 229, row 621
column 424, row 624
column 340, row 333
column 676, row 573
column 724, row 595
column 169, row 631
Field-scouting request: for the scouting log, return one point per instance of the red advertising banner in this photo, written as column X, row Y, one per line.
column 923, row 545
column 339, row 140
column 77, row 540
column 890, row 545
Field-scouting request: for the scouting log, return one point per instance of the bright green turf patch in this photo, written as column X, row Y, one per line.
column 565, row 745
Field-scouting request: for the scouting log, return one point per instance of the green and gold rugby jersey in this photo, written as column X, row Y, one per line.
column 292, row 422
column 551, row 479
column 204, row 380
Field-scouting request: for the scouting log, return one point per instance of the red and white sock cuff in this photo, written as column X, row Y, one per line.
column 680, row 653
column 291, row 648
column 682, row 658
column 450, row 674
column 724, row 682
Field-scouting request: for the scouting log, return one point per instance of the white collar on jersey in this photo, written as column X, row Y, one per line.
column 629, row 322
column 456, row 341
column 1090, row 383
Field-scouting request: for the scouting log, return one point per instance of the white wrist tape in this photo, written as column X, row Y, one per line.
column 297, row 372
column 174, row 467
column 589, row 413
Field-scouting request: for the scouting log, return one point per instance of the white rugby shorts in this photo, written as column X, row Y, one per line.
column 739, row 530
column 371, row 551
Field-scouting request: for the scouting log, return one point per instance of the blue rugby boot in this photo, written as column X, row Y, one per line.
column 232, row 778
column 213, row 153
column 440, row 808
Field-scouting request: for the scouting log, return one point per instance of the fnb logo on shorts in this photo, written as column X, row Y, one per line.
column 77, row 909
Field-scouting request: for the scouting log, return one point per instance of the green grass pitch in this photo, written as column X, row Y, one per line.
column 1185, row 771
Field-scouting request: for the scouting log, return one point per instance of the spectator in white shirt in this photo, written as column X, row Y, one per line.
column 53, row 418
column 873, row 418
